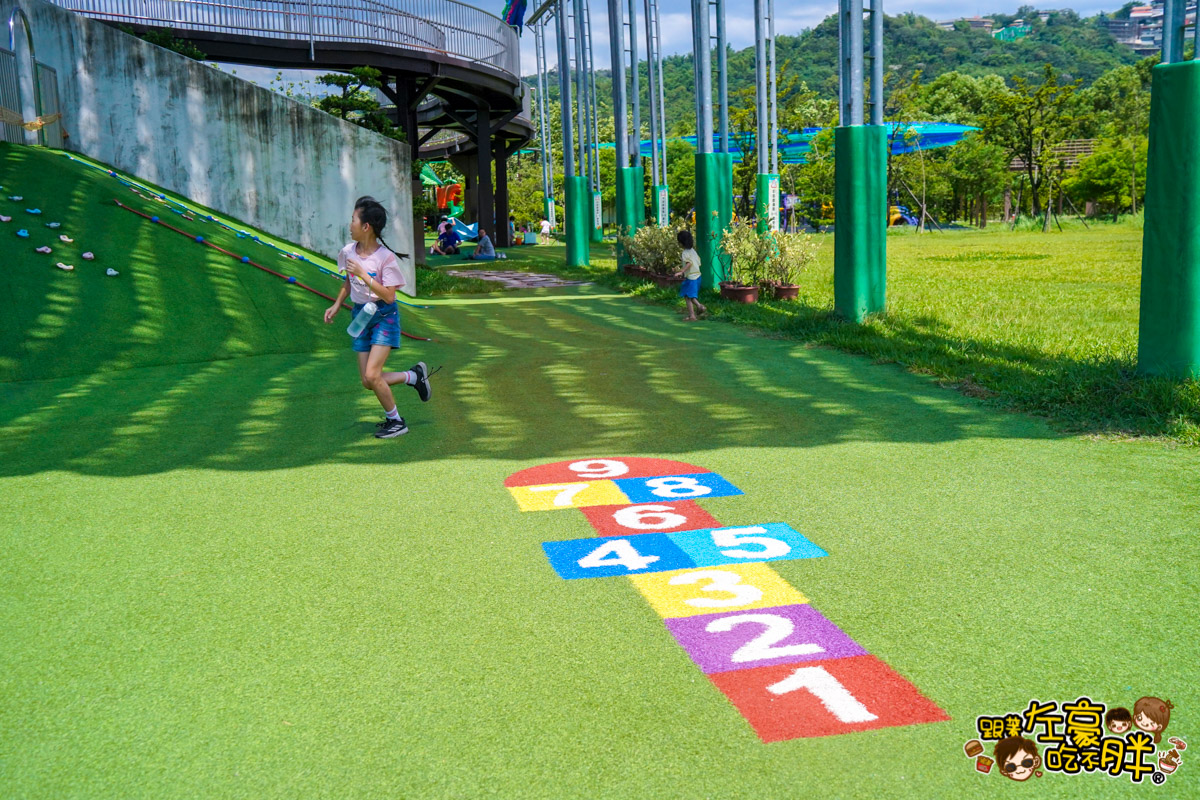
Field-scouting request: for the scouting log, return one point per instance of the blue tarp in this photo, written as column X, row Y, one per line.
column 905, row 137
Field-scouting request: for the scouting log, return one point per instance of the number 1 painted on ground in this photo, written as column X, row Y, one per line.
column 828, row 689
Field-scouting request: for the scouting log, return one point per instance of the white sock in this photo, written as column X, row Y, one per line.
column 410, row 377
column 392, row 414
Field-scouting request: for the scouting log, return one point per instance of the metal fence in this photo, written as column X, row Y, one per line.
column 10, row 96
column 438, row 26
column 47, row 105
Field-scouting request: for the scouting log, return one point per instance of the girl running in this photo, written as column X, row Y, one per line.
column 373, row 276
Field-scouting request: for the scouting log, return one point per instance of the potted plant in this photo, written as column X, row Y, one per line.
column 655, row 253
column 748, row 256
column 793, row 252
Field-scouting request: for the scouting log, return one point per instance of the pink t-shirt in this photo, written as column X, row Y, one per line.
column 380, row 265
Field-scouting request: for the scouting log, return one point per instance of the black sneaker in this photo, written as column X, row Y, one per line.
column 391, row 428
column 424, row 390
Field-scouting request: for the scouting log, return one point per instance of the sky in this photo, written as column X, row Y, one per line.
column 676, row 21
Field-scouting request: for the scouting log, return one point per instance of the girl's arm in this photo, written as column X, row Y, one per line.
column 342, row 294
column 387, row 294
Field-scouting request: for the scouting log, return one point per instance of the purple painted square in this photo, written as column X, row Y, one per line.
column 760, row 637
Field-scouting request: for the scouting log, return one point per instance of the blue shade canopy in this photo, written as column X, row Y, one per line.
column 904, row 137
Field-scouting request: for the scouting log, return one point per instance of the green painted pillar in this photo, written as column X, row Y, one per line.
column 630, row 212
column 597, row 214
column 725, row 207
column 662, row 206
column 860, row 223
column 579, row 220
column 1169, row 328
column 766, row 203
column 548, row 211
column 714, row 268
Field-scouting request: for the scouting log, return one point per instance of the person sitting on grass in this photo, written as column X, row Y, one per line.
column 447, row 243
column 689, row 290
column 484, row 251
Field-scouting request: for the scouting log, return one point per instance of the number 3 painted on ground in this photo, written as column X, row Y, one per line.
column 719, row 581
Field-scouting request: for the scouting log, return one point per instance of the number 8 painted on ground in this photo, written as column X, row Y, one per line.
column 677, row 487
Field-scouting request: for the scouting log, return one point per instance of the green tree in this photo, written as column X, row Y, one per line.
column 1104, row 175
column 357, row 102
column 1028, row 121
column 1121, row 98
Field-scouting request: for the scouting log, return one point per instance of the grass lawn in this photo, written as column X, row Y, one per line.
column 1044, row 323
column 215, row 583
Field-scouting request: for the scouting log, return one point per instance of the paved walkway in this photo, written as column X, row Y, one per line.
column 516, row 280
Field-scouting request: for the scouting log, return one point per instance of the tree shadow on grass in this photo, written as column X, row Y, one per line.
column 556, row 375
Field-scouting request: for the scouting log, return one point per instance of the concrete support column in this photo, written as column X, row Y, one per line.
column 485, row 211
column 500, row 236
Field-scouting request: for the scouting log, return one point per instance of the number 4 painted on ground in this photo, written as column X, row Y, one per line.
column 621, row 554
column 828, row 690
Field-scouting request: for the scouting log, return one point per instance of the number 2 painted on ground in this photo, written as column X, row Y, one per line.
column 826, row 688
column 762, row 646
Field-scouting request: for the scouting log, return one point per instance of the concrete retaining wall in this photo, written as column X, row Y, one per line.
column 245, row 151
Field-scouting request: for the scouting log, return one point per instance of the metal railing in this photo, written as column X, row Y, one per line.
column 445, row 27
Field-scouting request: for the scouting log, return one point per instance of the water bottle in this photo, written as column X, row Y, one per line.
column 359, row 323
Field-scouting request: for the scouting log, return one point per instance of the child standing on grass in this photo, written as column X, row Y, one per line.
column 689, row 290
column 373, row 276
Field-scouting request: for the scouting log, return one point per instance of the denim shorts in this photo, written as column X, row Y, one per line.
column 383, row 329
column 690, row 288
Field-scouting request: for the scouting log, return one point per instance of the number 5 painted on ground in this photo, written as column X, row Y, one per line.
column 826, row 688
column 731, row 537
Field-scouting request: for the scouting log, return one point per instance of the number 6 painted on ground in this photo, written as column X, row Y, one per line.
column 637, row 517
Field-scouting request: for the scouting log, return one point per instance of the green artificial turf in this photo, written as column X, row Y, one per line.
column 215, row 583
column 1043, row 323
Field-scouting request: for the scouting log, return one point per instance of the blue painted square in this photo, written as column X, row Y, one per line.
column 668, row 488
column 629, row 555
column 771, row 541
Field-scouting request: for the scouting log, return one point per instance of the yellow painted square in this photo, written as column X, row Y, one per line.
column 555, row 496
column 688, row 592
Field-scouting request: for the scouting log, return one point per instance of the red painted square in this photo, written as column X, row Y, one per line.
column 607, row 520
column 854, row 688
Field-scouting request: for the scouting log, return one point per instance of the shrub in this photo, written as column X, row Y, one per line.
column 793, row 253
column 748, row 254
column 654, row 248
